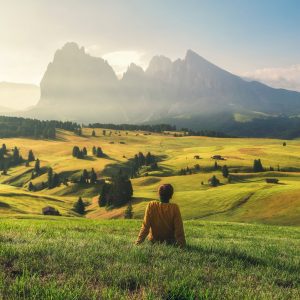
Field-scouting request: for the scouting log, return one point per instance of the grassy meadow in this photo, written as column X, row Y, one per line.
column 247, row 198
column 237, row 244
column 72, row 258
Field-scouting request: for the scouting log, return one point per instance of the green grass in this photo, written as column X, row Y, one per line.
column 271, row 204
column 69, row 258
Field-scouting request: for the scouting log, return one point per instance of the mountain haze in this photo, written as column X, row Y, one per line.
column 78, row 86
column 17, row 96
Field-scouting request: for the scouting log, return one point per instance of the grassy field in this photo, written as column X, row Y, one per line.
column 247, row 198
column 227, row 257
column 72, row 258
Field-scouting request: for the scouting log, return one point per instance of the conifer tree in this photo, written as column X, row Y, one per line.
column 50, row 178
column 16, row 155
column 257, row 166
column 99, row 152
column 84, row 151
column 225, row 171
column 37, row 167
column 30, row 186
column 102, row 200
column 30, row 156
column 79, row 206
column 93, row 133
column 120, row 191
column 93, row 176
column 214, row 181
column 216, row 166
column 85, row 176
column 75, row 151
column 55, row 180
column 128, row 214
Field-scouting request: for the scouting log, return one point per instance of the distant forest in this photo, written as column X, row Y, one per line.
column 282, row 127
column 151, row 128
column 272, row 127
column 21, row 127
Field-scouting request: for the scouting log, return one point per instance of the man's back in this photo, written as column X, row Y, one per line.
column 163, row 223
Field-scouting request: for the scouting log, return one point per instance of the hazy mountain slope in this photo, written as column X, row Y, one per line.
column 84, row 88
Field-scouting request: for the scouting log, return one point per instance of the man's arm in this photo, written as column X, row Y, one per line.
column 145, row 227
column 179, row 231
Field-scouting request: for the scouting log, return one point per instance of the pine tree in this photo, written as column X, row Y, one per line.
column 216, row 166
column 36, row 132
column 99, row 152
column 257, row 166
column 94, row 150
column 214, row 181
column 93, row 133
column 149, row 159
column 225, row 171
column 85, row 176
column 75, row 151
column 37, row 167
column 141, row 159
column 16, row 155
column 102, row 199
column 93, row 176
column 128, row 214
column 50, row 178
column 51, row 133
column 84, row 151
column 79, row 206
column 30, row 186
column 55, row 180
column 120, row 191
column 31, row 156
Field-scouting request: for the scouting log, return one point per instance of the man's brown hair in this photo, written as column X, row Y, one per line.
column 165, row 192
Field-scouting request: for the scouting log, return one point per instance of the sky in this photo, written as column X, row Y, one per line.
column 254, row 38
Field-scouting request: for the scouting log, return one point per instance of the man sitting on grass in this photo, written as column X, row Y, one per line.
column 163, row 220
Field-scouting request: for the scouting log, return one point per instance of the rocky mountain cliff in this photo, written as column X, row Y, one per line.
column 77, row 86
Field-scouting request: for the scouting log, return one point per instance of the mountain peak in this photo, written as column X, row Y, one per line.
column 159, row 64
column 72, row 47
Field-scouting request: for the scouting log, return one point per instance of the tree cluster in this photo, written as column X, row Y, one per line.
column 79, row 153
column 132, row 127
column 140, row 160
column 116, row 193
column 98, row 152
column 87, row 177
column 21, row 127
column 257, row 166
column 53, row 179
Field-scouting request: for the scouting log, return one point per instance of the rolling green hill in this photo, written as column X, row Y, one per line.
column 246, row 198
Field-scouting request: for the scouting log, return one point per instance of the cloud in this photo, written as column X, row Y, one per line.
column 286, row 77
column 120, row 60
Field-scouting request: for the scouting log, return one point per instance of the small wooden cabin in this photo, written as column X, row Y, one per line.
column 50, row 211
column 218, row 157
column 272, row 180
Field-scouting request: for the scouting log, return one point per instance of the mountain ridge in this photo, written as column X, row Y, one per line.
column 84, row 88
